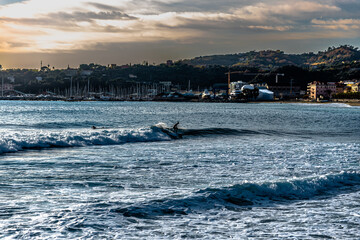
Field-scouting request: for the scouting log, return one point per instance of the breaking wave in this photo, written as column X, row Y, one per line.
column 43, row 139
column 245, row 195
column 19, row 141
column 330, row 104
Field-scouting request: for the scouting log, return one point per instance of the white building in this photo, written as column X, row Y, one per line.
column 265, row 95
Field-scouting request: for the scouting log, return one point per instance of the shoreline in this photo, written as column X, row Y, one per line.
column 351, row 102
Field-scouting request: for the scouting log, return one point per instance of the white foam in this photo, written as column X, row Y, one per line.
column 14, row 142
column 338, row 105
column 296, row 189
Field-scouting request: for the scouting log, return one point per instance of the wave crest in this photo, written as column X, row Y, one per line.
column 41, row 140
column 249, row 195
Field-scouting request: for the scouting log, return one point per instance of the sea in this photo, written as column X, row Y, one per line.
column 231, row 171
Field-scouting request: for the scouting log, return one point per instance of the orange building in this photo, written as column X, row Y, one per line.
column 317, row 90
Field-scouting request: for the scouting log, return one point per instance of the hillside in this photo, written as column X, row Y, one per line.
column 269, row 59
column 334, row 56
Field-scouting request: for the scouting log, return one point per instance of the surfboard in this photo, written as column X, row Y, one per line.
column 171, row 133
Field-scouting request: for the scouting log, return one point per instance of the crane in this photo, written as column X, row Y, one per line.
column 277, row 76
column 229, row 78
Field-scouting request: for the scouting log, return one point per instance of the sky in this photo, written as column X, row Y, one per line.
column 72, row 32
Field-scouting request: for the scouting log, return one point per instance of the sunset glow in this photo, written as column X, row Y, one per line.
column 189, row 29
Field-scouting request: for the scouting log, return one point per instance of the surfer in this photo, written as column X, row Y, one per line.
column 175, row 127
column 93, row 127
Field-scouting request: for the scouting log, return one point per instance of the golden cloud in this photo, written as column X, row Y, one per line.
column 36, row 25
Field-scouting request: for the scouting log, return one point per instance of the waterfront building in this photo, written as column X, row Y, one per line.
column 352, row 85
column 237, row 90
column 340, row 87
column 318, row 90
column 355, row 87
column 348, row 86
column 236, row 86
column 265, row 95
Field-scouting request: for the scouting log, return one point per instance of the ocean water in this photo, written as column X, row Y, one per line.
column 239, row 171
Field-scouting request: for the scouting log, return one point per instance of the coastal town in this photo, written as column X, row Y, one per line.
column 342, row 91
column 178, row 119
column 333, row 75
column 238, row 91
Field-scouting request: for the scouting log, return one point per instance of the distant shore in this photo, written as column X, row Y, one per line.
column 351, row 102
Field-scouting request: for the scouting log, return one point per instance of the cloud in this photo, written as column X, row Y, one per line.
column 89, row 16
column 339, row 24
column 103, row 6
column 270, row 28
column 67, row 25
column 201, row 6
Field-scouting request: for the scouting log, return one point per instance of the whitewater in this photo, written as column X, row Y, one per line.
column 232, row 171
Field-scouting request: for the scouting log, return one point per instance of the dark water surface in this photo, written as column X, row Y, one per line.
column 243, row 171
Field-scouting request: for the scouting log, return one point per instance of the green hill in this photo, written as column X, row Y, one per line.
column 269, row 59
